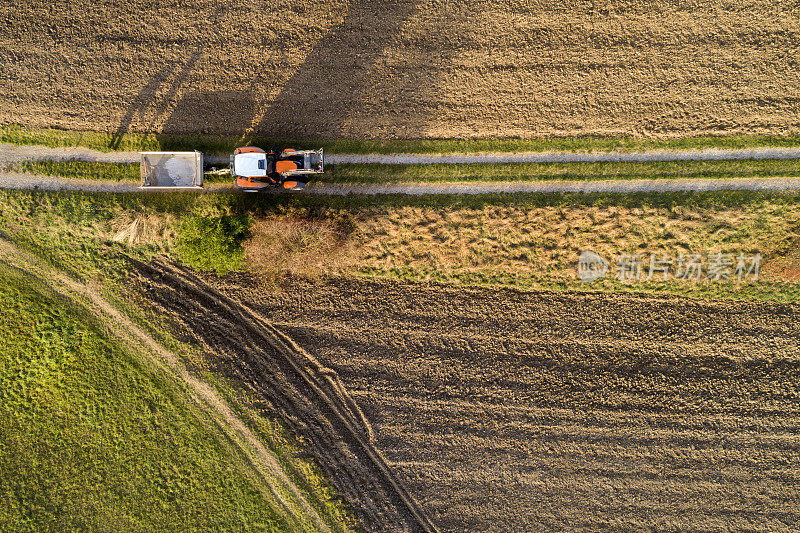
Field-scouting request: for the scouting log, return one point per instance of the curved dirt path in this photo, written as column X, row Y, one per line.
column 37, row 182
column 10, row 153
column 263, row 461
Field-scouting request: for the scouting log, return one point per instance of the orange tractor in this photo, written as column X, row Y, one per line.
column 255, row 170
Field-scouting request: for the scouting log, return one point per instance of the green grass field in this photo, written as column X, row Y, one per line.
column 91, row 439
column 216, row 144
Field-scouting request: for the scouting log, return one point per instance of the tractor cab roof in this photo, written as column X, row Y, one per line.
column 254, row 164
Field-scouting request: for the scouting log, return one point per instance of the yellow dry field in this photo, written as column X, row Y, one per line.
column 402, row 69
column 531, row 247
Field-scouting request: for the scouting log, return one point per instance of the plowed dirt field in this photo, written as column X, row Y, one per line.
column 500, row 410
column 406, row 68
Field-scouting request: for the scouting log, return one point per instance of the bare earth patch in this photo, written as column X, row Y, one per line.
column 509, row 411
column 403, row 69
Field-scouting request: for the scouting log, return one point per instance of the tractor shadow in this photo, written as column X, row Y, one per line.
column 334, row 82
column 203, row 112
column 341, row 84
column 153, row 100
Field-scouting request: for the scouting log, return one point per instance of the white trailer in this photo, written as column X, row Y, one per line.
column 171, row 170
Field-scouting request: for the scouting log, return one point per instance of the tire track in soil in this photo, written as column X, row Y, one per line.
column 306, row 395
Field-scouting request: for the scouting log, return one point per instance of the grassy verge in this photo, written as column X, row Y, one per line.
column 213, row 242
column 218, row 144
column 92, row 440
column 79, row 170
column 524, row 241
column 535, row 247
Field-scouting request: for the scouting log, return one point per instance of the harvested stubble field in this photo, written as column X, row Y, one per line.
column 402, row 69
column 502, row 410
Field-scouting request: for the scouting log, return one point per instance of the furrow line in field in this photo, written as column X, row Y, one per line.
column 313, row 395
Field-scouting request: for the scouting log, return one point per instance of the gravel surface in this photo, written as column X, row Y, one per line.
column 12, row 153
column 11, row 180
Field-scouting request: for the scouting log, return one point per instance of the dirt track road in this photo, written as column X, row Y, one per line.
column 502, row 410
column 49, row 183
column 14, row 154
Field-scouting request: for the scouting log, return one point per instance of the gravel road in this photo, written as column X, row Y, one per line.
column 11, row 153
column 12, row 180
